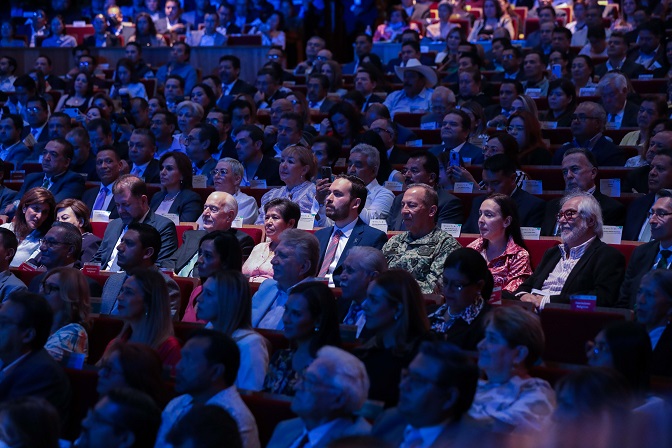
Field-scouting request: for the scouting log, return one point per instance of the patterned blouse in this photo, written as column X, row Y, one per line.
column 303, row 194
column 281, row 378
column 439, row 324
column 71, row 338
column 509, row 269
column 523, row 405
column 258, row 265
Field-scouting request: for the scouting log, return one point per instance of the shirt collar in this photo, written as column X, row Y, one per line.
column 575, row 252
column 347, row 229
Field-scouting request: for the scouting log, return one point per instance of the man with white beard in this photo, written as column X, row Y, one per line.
column 582, row 264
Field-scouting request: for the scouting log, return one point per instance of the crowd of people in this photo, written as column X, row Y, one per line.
column 362, row 303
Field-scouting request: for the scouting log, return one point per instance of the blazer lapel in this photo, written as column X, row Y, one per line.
column 585, row 258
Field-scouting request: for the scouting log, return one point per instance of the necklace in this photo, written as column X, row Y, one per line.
column 170, row 199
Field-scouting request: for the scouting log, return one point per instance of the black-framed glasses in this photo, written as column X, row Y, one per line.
column 216, row 172
column 455, row 286
column 659, row 214
column 567, row 214
column 583, row 117
column 52, row 243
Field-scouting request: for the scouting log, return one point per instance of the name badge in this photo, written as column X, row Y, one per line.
column 307, row 221
column 17, row 175
column 463, row 187
column 429, row 126
column 612, row 234
column 587, row 91
column 453, row 230
column 172, row 216
column 393, row 186
column 414, row 143
column 200, row 181
column 379, row 224
column 549, row 125
column 91, row 268
column 611, row 187
column 237, row 223
column 583, row 302
column 532, row 186
column 258, row 183
column 530, row 233
column 100, row 216
column 646, row 76
column 533, row 93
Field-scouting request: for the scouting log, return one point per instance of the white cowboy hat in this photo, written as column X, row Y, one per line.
column 415, row 66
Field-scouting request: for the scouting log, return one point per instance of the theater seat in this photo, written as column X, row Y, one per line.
column 256, row 232
column 103, row 330
column 83, row 385
column 268, row 411
column 187, row 286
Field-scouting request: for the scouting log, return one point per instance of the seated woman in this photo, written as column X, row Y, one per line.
column 104, row 104
column 189, row 114
column 203, row 95
column 129, row 364
column 145, row 32
column 327, row 150
column 582, row 72
column 446, row 60
column 7, row 32
column 345, row 123
column 144, row 306
column 524, row 102
column 493, row 17
column 218, row 251
column 561, row 103
column 32, row 220
column 67, row 292
column 127, row 82
column 297, row 167
column 526, row 128
column 510, row 400
column 79, row 96
column 57, row 36
column 225, row 303
column 467, row 287
column 280, row 214
column 395, row 315
column 332, row 70
column 77, row 213
column 652, row 109
column 272, row 32
column 398, row 23
column 501, row 243
column 310, row 322
column 653, row 310
column 176, row 195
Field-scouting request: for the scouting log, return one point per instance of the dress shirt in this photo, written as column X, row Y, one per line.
column 424, row 437
column 4, row 151
column 556, row 279
column 378, row 202
column 174, row 146
column 611, row 67
column 342, row 242
column 303, row 194
column 28, row 248
column 226, row 88
column 247, row 207
column 228, row 399
column 108, row 197
column 588, row 144
column 655, row 335
column 36, row 132
column 316, row 104
column 648, row 61
column 660, row 256
column 645, row 232
column 139, row 170
column 207, row 40
column 7, row 84
column 614, row 120
column 112, row 265
column 272, row 319
column 513, row 75
column 356, row 314
column 314, row 435
column 398, row 101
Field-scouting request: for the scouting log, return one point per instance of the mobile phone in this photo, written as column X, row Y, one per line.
column 454, row 158
column 72, row 112
column 325, row 172
column 556, row 69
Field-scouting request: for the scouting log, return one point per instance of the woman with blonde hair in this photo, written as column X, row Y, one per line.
column 67, row 292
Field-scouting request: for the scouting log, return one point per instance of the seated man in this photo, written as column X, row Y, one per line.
column 227, row 177
column 208, row 36
column 108, row 168
column 179, row 65
column 423, row 248
column 650, row 54
column 206, row 375
column 313, row 46
column 422, row 167
column 415, row 96
column 334, row 388
column 163, row 126
column 511, row 61
column 141, row 149
column 387, row 131
column 9, row 282
column 455, row 130
column 130, row 196
column 258, row 166
column 621, row 113
column 617, row 50
column 361, row 266
column 84, row 161
column 222, row 122
column 318, row 88
column 295, row 261
column 441, row 101
column 534, row 69
column 580, row 171
column 135, row 415
column 219, row 211
column 138, row 248
column 12, row 149
column 27, row 320
column 499, row 176
column 377, row 111
column 434, row 396
column 581, row 264
column 202, row 143
column 343, row 203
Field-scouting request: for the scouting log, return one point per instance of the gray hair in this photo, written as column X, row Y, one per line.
column 588, row 207
column 371, row 153
column 347, row 373
column 664, row 193
column 229, row 201
column 597, row 110
column 615, row 80
column 446, row 95
column 236, row 167
column 369, row 259
column 194, row 108
column 306, row 245
column 431, row 196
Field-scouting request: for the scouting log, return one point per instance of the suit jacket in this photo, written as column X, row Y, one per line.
column 629, row 115
column 450, row 211
column 629, row 69
column 113, row 285
column 18, row 154
column 637, row 179
column 289, row 431
column 660, row 57
column 8, row 284
column 194, row 38
column 37, row 375
column 241, row 86
column 362, row 235
column 89, row 198
column 343, row 306
column 468, row 151
column 641, row 262
column 188, row 205
column 404, row 134
column 7, row 196
column 56, row 83
column 661, row 361
column 613, row 213
column 637, row 213
column 43, row 138
column 152, row 174
column 66, row 185
column 326, row 105
column 165, row 227
column 598, row 272
column 397, row 156
column 500, row 76
column 269, row 169
column 189, row 248
column 110, row 41
column 373, row 98
column 605, row 151
column 530, row 210
column 90, row 245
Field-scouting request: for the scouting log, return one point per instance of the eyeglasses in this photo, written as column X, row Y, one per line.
column 321, row 58
column 52, row 243
column 659, row 214
column 216, row 172
column 567, row 214
column 48, row 288
column 294, row 102
column 583, row 117
column 455, row 286
column 273, row 56
column 33, row 110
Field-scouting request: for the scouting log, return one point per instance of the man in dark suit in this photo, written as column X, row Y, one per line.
column 12, row 149
column 29, row 370
column 617, row 49
column 258, row 166
column 363, row 46
column 366, row 81
column 580, row 171
column 587, row 129
column 499, row 176
column 43, row 64
column 652, row 255
column 650, row 49
column 318, row 86
column 454, row 134
column 509, row 89
column 410, row 49
column 423, row 167
column 387, row 130
column 56, row 176
column 108, row 168
column 511, row 61
column 229, row 73
column 222, row 122
column 37, row 114
column 637, row 226
column 416, row 11
column 437, row 390
column 596, row 268
column 141, row 149
column 344, row 201
column 9, row 283
column 218, row 214
column 621, row 113
column 84, row 162
column 637, row 180
column 130, row 196
column 376, row 111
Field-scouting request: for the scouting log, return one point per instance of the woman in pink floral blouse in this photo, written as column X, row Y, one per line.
column 501, row 243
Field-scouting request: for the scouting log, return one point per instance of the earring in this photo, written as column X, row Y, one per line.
column 317, row 328
column 397, row 316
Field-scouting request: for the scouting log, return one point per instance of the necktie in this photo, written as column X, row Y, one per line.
column 136, row 171
column 35, row 132
column 45, row 182
column 351, row 318
column 331, row 253
column 100, row 200
column 664, row 256
column 303, row 441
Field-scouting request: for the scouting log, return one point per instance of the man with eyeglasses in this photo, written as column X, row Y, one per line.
column 511, row 64
column 579, row 169
column 655, row 254
column 221, row 121
column 581, row 264
column 36, row 114
column 277, row 54
column 455, row 130
column 441, row 101
column 141, row 149
column 587, row 126
column 617, row 50
column 313, row 46
column 279, row 108
column 377, row 111
column 387, row 131
column 334, row 387
column 219, row 211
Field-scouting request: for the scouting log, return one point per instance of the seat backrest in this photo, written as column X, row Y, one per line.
column 103, row 330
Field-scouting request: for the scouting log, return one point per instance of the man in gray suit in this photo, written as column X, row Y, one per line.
column 8, row 281
column 139, row 249
column 334, row 387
